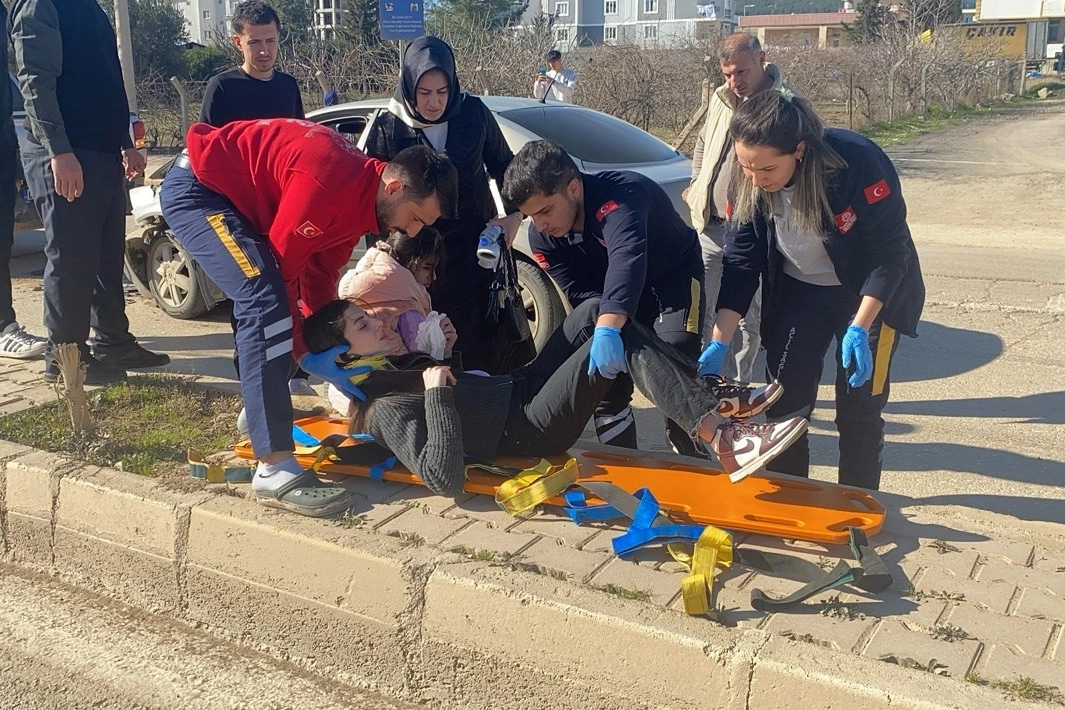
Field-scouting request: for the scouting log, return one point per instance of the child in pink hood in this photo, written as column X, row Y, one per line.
column 390, row 283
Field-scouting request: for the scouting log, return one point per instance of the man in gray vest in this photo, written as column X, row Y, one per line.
column 746, row 74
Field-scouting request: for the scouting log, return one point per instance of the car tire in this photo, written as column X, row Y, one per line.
column 173, row 277
column 542, row 303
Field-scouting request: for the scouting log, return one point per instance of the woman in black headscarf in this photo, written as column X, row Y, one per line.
column 430, row 109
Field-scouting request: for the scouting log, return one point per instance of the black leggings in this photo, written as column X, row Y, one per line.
column 554, row 396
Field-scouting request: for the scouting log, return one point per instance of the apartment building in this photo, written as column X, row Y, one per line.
column 580, row 23
column 206, row 21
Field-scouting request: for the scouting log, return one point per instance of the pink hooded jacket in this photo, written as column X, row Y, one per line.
column 387, row 290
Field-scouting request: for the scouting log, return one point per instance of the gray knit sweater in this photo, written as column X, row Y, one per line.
column 429, row 433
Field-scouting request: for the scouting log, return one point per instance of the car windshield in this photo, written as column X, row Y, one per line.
column 591, row 136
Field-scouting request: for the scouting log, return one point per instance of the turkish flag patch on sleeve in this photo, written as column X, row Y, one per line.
column 876, row 192
column 606, row 209
column 307, row 229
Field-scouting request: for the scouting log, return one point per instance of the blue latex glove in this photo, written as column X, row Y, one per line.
column 608, row 352
column 856, row 352
column 325, row 365
column 712, row 360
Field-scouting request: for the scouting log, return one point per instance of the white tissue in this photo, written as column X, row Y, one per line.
column 431, row 336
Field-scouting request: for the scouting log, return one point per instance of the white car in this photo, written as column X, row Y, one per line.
column 162, row 270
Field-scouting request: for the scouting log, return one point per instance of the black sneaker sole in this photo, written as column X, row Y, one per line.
column 131, row 364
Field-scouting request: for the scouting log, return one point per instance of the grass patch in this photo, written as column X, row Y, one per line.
column 1032, row 92
column 1021, row 688
column 950, row 633
column 625, row 593
column 887, row 133
column 143, row 425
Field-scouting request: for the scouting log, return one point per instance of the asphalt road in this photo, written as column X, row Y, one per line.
column 977, row 400
column 61, row 647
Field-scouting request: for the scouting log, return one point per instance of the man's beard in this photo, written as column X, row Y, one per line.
column 385, row 210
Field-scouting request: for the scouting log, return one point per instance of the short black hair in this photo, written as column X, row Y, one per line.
column 253, row 12
column 553, row 55
column 539, row 168
column 424, row 172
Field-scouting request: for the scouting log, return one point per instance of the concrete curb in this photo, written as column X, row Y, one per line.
column 403, row 617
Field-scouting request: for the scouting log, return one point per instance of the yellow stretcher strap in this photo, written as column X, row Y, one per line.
column 533, row 486
column 713, row 548
column 215, row 473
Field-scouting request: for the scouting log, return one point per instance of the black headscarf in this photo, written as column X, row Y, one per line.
column 424, row 55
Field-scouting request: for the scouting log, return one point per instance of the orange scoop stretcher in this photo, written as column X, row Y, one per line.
column 781, row 506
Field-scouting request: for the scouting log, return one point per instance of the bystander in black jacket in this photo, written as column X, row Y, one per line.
column 476, row 146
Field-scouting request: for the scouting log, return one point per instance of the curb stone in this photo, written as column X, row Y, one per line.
column 377, row 606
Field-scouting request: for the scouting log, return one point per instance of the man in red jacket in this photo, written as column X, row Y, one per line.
column 271, row 211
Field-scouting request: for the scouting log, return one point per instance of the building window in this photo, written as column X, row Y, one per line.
column 610, row 34
column 1054, row 32
column 206, row 14
column 650, row 32
column 562, row 34
column 650, row 7
column 561, row 9
column 610, row 7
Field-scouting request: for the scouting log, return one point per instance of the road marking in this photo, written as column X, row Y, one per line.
column 934, row 160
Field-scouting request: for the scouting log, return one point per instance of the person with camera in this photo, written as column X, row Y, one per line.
column 430, row 109
column 556, row 83
column 614, row 236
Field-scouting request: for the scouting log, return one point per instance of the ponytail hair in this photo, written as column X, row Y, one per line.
column 781, row 120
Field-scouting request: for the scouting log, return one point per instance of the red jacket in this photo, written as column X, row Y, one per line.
column 308, row 189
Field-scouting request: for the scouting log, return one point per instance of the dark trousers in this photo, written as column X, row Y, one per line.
column 554, row 395
column 803, row 323
column 8, row 174
column 239, row 260
column 85, row 245
column 673, row 311
column 462, row 293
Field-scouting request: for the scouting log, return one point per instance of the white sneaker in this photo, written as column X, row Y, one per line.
column 301, row 388
column 16, row 343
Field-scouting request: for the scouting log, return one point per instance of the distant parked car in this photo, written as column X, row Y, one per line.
column 26, row 216
column 163, row 270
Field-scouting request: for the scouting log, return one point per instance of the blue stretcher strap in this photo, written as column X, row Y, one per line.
column 302, row 438
column 377, row 471
column 579, row 511
column 644, row 531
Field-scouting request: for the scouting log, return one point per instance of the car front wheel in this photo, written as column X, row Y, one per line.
column 542, row 302
column 172, row 275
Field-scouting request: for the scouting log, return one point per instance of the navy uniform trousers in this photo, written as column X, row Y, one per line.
column 799, row 328
column 240, row 262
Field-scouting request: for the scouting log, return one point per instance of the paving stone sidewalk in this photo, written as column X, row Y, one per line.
column 976, row 597
column 967, row 602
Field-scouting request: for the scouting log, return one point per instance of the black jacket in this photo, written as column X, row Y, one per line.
column 867, row 240
column 474, row 142
column 68, row 68
column 632, row 240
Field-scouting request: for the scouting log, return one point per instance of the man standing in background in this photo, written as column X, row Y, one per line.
column 254, row 89
column 746, row 74
column 80, row 154
column 556, row 83
column 15, row 342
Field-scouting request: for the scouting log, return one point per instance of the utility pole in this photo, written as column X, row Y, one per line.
column 125, row 51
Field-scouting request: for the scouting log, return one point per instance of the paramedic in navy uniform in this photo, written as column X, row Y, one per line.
column 615, row 236
column 818, row 214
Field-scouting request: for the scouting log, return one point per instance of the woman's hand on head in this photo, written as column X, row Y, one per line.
column 439, row 376
column 450, row 335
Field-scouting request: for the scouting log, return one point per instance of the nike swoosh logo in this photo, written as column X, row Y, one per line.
column 750, row 445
